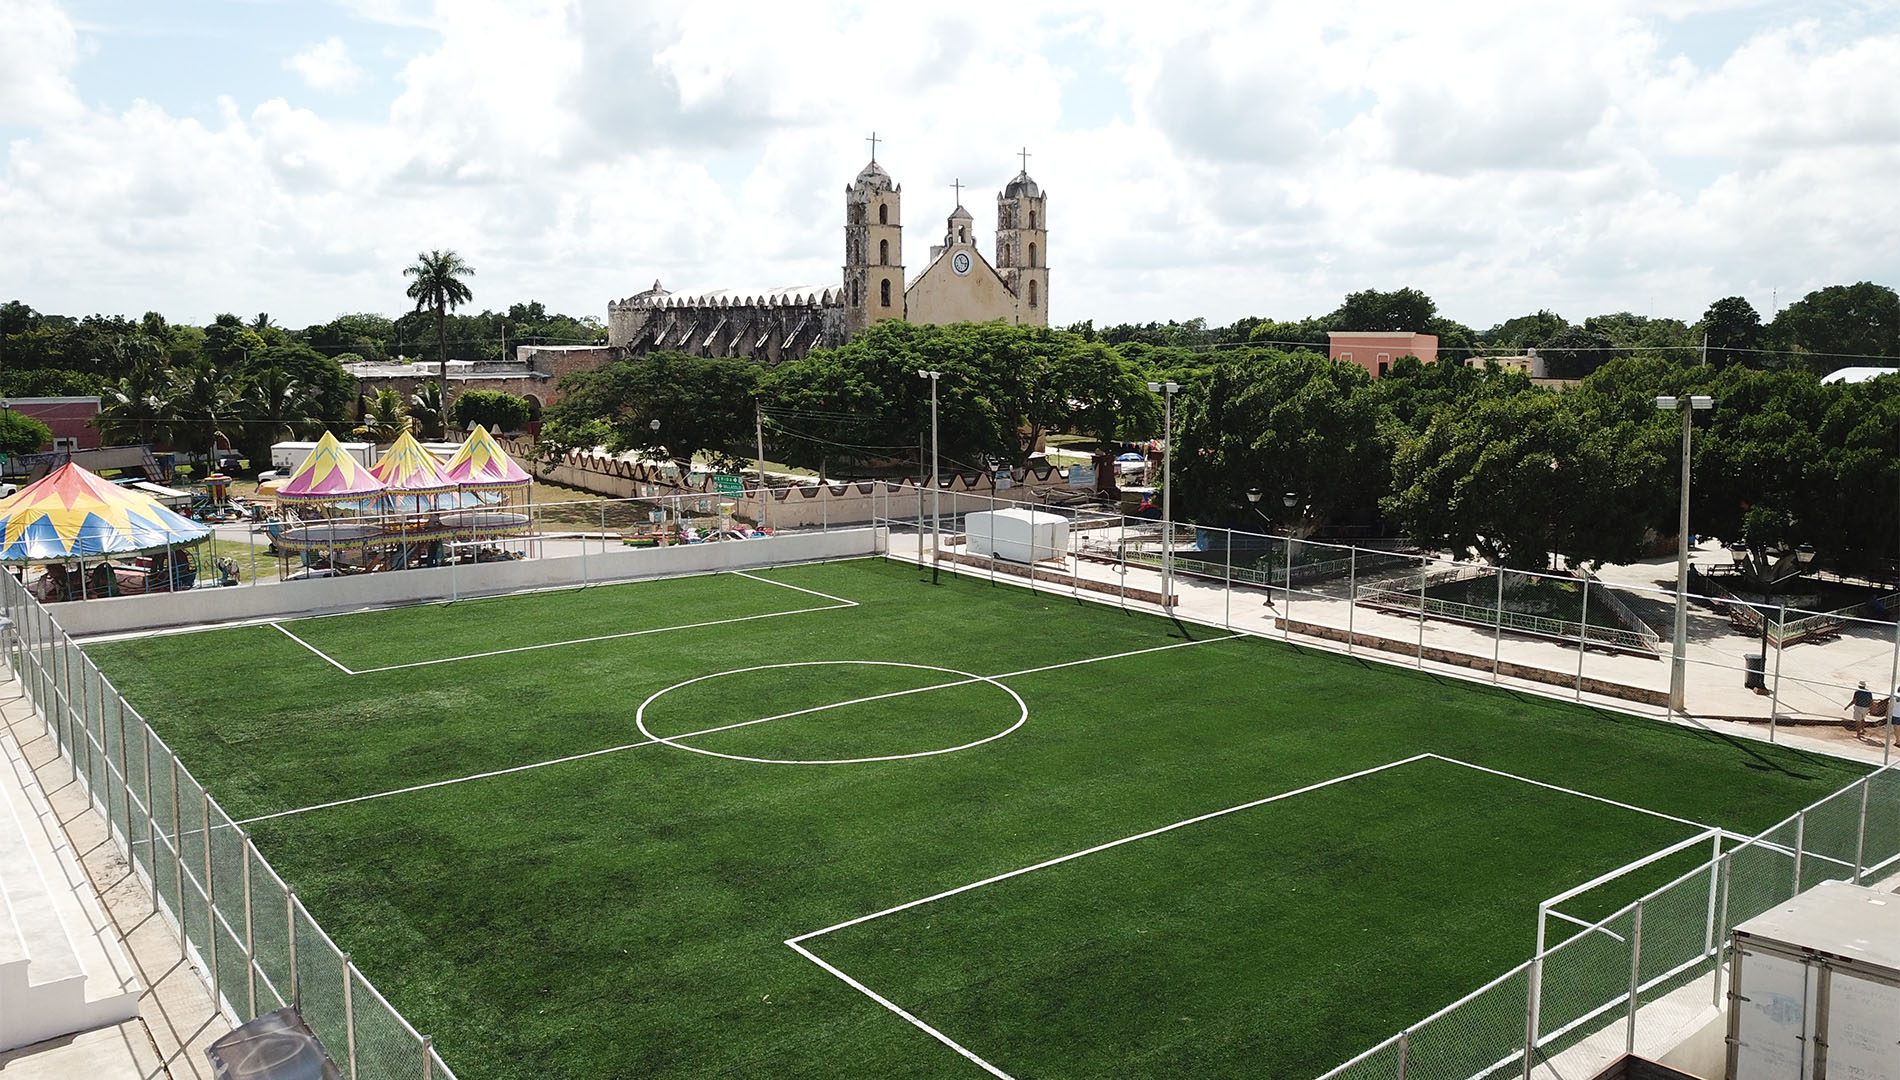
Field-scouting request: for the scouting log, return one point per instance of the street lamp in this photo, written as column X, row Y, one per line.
column 1678, row 664
column 1167, row 489
column 936, row 492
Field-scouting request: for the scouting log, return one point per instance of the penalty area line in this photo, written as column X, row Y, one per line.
column 333, row 661
column 894, row 1007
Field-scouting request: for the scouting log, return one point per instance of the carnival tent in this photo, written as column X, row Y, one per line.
column 74, row 514
column 329, row 475
column 481, row 463
column 412, row 477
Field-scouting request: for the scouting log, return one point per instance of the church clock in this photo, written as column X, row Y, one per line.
column 960, row 262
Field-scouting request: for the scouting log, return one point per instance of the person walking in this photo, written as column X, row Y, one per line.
column 1862, row 700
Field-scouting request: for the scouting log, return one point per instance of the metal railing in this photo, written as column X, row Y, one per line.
column 1522, row 622
column 1627, row 983
column 238, row 922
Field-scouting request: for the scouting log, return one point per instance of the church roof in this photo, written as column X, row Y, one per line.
column 960, row 214
column 873, row 177
column 1022, row 185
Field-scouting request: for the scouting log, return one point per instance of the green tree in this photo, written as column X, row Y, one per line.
column 1732, row 329
column 424, row 409
column 1524, row 331
column 1572, row 353
column 276, row 407
column 1370, row 310
column 1839, row 326
column 703, row 404
column 383, row 419
column 1279, row 422
column 493, row 409
column 438, row 288
column 21, row 434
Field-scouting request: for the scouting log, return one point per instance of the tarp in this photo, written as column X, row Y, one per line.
column 329, row 474
column 73, row 514
column 407, row 469
column 481, row 463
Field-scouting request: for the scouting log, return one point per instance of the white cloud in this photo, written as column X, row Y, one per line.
column 327, row 66
column 1264, row 157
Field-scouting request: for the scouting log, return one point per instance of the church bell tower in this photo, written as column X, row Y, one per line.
column 873, row 249
column 1022, row 246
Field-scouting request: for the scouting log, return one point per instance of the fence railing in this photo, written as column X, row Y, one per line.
column 1624, row 983
column 1522, row 622
column 238, row 922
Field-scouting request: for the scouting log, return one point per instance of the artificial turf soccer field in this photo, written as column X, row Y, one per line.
column 778, row 807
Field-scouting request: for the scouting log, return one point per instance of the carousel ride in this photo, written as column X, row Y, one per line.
column 91, row 538
column 336, row 516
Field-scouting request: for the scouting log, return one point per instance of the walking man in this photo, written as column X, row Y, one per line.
column 1862, row 700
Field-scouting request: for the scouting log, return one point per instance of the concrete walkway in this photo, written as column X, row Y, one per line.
column 176, row 1019
column 1810, row 687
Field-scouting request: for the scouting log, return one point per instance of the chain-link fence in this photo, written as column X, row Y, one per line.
column 1607, row 634
column 245, row 931
column 1634, row 981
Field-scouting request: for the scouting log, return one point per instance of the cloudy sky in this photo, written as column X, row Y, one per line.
column 1210, row 159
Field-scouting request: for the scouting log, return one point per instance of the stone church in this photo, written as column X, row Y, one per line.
column 956, row 284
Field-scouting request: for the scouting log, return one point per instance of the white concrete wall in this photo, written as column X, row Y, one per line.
column 206, row 606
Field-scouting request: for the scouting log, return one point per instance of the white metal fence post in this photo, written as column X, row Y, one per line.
column 211, row 906
column 1497, row 633
column 1405, row 1052
column 1583, row 635
column 1352, row 592
column 1636, row 975
column 250, row 933
column 349, row 1012
column 1227, row 584
column 1533, row 1005
column 428, row 1053
column 1774, row 696
column 178, row 865
column 290, row 928
column 1860, row 837
column 1800, row 842
column 1721, row 930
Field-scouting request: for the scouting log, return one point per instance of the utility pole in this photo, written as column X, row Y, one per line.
column 758, row 428
column 936, row 491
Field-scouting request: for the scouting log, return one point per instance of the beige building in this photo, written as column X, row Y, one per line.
column 956, row 284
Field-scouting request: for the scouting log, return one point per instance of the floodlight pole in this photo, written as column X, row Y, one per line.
column 1678, row 665
column 936, row 489
column 1168, row 390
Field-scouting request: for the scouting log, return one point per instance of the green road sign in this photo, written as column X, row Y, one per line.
column 727, row 484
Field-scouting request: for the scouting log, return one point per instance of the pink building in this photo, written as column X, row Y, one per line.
column 69, row 417
column 1376, row 351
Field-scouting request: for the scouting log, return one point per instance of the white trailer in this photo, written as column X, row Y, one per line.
column 286, row 456
column 1016, row 535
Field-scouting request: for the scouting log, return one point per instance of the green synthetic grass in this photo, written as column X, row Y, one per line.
column 625, row 914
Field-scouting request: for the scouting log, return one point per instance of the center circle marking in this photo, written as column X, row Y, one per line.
column 639, row 715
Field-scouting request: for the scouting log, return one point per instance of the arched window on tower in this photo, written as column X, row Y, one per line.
column 883, row 214
column 1006, row 261
column 961, row 238
column 884, row 292
column 1034, row 295
column 854, row 294
column 884, row 253
column 1032, row 219
column 1032, row 254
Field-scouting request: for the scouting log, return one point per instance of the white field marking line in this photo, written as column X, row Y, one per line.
column 797, row 945
column 888, row 694
column 837, row 603
column 333, row 661
column 1058, row 860
column 894, row 1007
column 1706, row 829
column 639, row 715
column 652, row 742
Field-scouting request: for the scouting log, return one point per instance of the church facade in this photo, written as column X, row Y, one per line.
column 956, row 284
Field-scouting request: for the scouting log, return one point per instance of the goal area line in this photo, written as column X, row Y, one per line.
column 837, row 603
column 797, row 944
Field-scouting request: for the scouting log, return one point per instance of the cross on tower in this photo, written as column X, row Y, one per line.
column 873, row 140
column 957, row 186
column 1024, row 154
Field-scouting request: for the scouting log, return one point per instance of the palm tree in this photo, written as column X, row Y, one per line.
column 384, row 419
column 276, row 406
column 438, row 287
column 206, row 403
column 425, row 409
column 142, row 407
